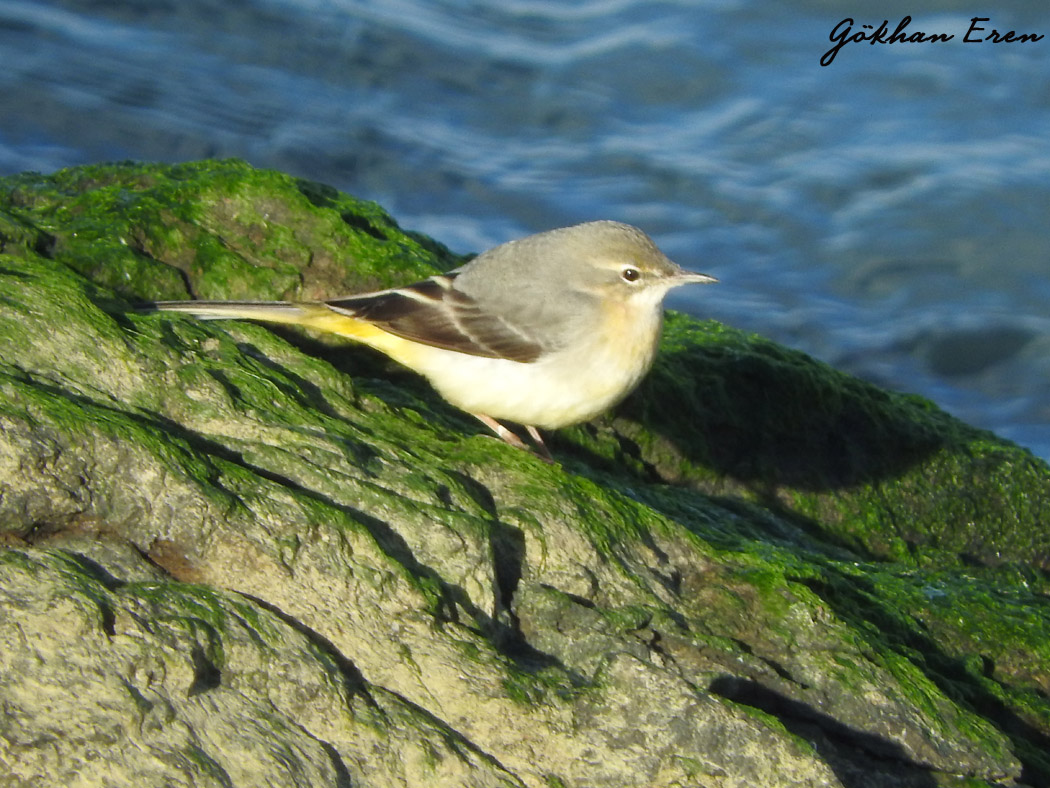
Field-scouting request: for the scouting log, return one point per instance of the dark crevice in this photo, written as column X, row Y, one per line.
column 353, row 682
column 508, row 556
column 771, row 663
column 574, row 598
column 858, row 758
column 504, row 629
column 507, row 545
column 359, row 687
column 342, row 774
column 101, row 575
column 206, row 674
column 365, row 226
column 856, row 601
column 187, row 282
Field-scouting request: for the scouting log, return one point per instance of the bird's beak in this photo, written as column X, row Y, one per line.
column 684, row 277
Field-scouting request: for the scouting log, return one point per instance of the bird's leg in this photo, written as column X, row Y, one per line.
column 501, row 431
column 509, row 437
column 538, row 440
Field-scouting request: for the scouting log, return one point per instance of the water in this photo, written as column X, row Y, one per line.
column 888, row 213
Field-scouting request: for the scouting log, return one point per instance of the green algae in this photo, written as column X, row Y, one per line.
column 207, row 767
column 547, row 685
column 921, row 626
column 153, row 234
column 885, row 475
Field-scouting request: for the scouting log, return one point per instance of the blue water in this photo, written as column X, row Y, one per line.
column 889, row 213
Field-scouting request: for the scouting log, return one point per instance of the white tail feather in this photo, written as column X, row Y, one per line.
column 269, row 311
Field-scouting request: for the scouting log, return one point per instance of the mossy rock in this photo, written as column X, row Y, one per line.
column 274, row 556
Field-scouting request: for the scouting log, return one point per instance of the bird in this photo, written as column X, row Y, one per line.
column 545, row 331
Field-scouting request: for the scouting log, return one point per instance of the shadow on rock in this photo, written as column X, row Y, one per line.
column 758, row 412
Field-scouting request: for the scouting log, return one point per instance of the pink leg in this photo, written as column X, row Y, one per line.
column 538, row 439
column 502, row 431
column 509, row 437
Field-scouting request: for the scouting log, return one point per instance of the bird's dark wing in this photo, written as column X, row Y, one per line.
column 435, row 313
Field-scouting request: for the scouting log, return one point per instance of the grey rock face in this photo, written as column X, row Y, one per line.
column 239, row 557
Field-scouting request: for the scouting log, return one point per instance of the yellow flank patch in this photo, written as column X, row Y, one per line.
column 398, row 348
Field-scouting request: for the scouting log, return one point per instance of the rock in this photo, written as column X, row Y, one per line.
column 238, row 555
column 152, row 683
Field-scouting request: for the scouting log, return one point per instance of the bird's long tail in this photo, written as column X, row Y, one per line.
column 268, row 311
column 310, row 315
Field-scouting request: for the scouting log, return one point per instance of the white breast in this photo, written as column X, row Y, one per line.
column 562, row 388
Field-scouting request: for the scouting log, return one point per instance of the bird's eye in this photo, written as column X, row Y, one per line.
column 631, row 274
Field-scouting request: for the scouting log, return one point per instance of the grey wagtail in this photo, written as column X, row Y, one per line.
column 546, row 331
